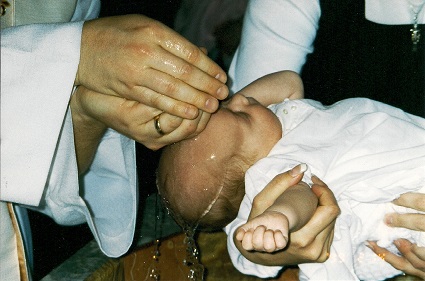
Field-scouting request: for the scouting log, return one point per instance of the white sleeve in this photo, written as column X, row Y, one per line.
column 38, row 161
column 277, row 35
column 38, row 68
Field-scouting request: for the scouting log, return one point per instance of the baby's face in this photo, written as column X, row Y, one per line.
column 245, row 126
column 194, row 170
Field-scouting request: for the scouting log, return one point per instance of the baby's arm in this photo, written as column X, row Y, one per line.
column 269, row 231
column 275, row 88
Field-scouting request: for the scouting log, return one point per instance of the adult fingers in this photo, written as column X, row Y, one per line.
column 137, row 120
column 274, row 189
column 325, row 195
column 186, row 129
column 412, row 221
column 315, row 238
column 165, row 123
column 132, row 56
column 400, row 262
column 187, row 72
column 181, row 47
column 412, row 200
column 412, row 252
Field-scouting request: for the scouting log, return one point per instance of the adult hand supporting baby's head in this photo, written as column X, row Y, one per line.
column 133, row 119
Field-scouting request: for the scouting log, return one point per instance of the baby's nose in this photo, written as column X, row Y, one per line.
column 238, row 100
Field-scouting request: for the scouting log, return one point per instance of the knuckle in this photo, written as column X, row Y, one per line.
column 156, row 100
column 185, row 70
column 193, row 54
column 420, row 265
column 315, row 254
column 175, row 122
column 142, row 50
column 152, row 145
column 335, row 210
column 323, row 257
column 171, row 87
column 152, row 28
column 258, row 202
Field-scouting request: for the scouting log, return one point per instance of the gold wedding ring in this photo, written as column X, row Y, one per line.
column 158, row 125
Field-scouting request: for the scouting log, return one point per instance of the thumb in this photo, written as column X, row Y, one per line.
column 275, row 188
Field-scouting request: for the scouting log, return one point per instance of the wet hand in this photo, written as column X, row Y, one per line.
column 140, row 59
column 136, row 120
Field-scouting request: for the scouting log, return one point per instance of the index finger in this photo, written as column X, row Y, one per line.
column 322, row 191
column 182, row 48
column 190, row 70
column 326, row 213
column 412, row 200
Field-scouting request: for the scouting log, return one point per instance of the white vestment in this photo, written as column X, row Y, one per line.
column 39, row 63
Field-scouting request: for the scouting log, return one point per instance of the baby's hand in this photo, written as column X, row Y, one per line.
column 266, row 233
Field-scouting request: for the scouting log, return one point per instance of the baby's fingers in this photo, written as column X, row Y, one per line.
column 247, row 240
column 269, row 244
column 280, row 240
column 240, row 233
column 258, row 238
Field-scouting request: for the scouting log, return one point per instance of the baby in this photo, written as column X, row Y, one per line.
column 367, row 152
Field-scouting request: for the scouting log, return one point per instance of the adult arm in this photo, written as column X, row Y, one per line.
column 271, row 39
column 39, row 63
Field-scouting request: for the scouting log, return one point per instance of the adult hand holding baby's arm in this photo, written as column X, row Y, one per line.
column 143, row 60
column 93, row 112
column 269, row 232
column 412, row 261
column 312, row 242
